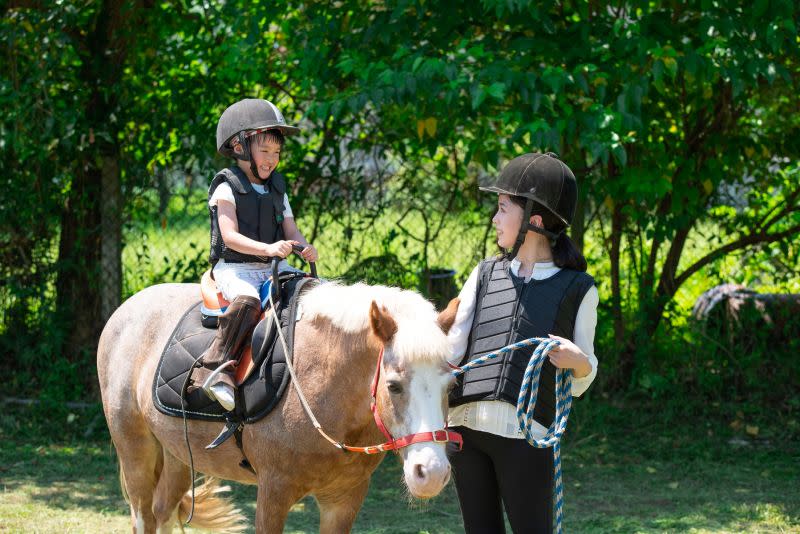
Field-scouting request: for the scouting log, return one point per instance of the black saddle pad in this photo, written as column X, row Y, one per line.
column 259, row 393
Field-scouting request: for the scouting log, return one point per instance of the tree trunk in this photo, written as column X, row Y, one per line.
column 111, row 223
column 90, row 273
column 616, row 287
column 78, row 293
column 625, row 363
column 666, row 286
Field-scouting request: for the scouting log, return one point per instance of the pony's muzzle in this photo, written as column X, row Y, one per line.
column 422, row 474
column 426, row 473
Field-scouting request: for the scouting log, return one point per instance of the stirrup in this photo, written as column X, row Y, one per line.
column 212, row 379
column 229, row 430
column 225, row 394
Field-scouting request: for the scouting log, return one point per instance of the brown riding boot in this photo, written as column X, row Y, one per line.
column 234, row 330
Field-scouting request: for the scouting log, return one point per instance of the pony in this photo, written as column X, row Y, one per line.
column 343, row 334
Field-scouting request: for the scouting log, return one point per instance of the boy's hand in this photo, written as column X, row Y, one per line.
column 309, row 253
column 280, row 248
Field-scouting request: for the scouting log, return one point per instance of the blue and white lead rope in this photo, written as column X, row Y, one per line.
column 530, row 383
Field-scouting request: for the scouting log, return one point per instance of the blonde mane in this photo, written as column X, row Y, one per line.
column 347, row 307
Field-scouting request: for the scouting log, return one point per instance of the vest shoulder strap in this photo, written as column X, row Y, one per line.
column 485, row 270
column 234, row 177
column 575, row 292
column 278, row 183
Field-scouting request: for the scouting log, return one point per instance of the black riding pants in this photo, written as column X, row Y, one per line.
column 492, row 473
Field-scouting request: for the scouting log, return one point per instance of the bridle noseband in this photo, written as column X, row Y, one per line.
column 437, row 436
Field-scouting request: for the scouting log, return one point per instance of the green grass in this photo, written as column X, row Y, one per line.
column 628, row 467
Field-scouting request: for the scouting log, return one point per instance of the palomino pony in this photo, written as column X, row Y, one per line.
column 338, row 342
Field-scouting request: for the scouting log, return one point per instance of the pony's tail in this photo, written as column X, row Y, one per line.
column 211, row 511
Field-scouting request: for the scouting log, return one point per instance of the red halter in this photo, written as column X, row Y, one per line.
column 437, row 436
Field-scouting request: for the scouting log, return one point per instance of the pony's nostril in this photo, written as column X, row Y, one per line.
column 419, row 471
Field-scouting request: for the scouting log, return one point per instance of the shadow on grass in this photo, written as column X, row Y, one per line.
column 63, row 477
column 623, row 472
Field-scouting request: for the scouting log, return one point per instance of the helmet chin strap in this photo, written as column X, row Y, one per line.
column 527, row 226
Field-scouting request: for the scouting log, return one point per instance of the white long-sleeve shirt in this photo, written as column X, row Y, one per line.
column 499, row 417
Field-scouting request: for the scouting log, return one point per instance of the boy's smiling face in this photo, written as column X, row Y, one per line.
column 266, row 154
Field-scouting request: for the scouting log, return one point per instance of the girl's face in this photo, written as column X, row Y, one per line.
column 266, row 154
column 507, row 221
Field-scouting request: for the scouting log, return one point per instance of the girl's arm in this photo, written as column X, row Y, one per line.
column 458, row 336
column 579, row 356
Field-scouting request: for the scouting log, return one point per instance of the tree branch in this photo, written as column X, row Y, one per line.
column 789, row 207
column 405, row 230
column 748, row 240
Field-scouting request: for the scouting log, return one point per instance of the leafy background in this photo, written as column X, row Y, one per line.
column 679, row 119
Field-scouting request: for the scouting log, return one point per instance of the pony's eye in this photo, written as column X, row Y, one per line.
column 394, row 388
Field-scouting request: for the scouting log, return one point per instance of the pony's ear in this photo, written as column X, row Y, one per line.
column 448, row 316
column 382, row 322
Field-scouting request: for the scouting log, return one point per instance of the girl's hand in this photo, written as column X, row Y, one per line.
column 567, row 355
column 309, row 253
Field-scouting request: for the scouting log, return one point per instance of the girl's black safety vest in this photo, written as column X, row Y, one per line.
column 259, row 216
column 508, row 310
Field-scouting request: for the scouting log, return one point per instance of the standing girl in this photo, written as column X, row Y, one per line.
column 538, row 288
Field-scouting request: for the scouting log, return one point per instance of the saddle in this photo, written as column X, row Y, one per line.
column 261, row 375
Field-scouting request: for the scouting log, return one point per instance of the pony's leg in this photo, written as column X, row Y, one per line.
column 275, row 499
column 173, row 484
column 140, row 460
column 338, row 509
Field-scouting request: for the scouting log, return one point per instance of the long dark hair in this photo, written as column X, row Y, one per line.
column 565, row 253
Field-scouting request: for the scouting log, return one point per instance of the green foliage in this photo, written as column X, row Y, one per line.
column 386, row 269
column 679, row 120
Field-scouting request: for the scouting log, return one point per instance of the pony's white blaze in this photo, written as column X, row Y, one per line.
column 426, row 468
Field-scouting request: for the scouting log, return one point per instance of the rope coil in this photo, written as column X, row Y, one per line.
column 526, row 403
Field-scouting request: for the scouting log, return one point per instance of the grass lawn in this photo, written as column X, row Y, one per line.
column 629, row 467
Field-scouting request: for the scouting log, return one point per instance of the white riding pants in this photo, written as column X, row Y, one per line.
column 235, row 279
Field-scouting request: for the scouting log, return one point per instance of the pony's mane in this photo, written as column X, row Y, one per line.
column 347, row 307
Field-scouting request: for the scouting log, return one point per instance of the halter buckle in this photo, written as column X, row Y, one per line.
column 440, row 432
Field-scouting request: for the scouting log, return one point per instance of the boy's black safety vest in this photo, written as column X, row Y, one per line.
column 508, row 310
column 259, row 216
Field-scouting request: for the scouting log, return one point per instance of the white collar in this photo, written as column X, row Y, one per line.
column 541, row 269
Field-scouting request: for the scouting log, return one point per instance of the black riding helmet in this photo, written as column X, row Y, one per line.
column 242, row 121
column 543, row 179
